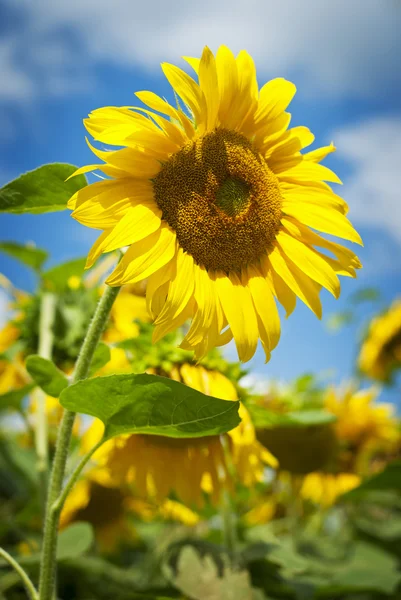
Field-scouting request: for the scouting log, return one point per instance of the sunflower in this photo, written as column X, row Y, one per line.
column 216, row 203
column 157, row 466
column 107, row 509
column 363, row 427
column 325, row 488
column 128, row 307
column 380, row 354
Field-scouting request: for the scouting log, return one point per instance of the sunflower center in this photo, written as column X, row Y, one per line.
column 232, row 196
column 221, row 199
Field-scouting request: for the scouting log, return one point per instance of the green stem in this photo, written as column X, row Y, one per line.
column 59, row 503
column 49, row 548
column 30, row 588
column 227, row 513
column 47, row 315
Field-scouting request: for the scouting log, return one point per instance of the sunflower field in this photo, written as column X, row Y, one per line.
column 136, row 460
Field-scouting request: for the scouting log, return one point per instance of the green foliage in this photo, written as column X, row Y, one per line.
column 14, row 398
column 100, row 358
column 264, row 418
column 28, row 255
column 74, row 541
column 56, row 279
column 45, row 373
column 150, row 404
column 43, row 190
column 388, row 479
column 74, row 310
column 166, row 354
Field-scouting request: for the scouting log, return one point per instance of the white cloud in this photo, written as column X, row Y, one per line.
column 373, row 150
column 339, row 47
column 15, row 83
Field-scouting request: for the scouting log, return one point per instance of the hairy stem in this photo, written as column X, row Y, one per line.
column 49, row 548
column 47, row 315
column 30, row 588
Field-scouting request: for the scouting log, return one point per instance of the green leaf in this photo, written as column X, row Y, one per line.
column 46, row 374
column 29, row 256
column 100, row 358
column 388, row 479
column 150, row 404
column 74, row 541
column 56, row 279
column 14, row 398
column 43, row 190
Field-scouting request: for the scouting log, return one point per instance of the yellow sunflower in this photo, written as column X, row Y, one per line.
column 362, row 424
column 129, row 306
column 216, row 203
column 157, row 465
column 381, row 351
column 106, row 508
column 325, row 488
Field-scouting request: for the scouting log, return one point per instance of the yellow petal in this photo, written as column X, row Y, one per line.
column 299, row 194
column 306, row 170
column 274, row 97
column 324, row 219
column 209, row 85
column 265, row 308
column 169, row 325
column 135, row 163
column 194, row 62
column 145, row 257
column 345, row 256
column 309, row 261
column 155, row 296
column 156, row 103
column 305, row 288
column 237, row 306
column 291, row 142
column 188, row 90
column 284, row 294
column 204, row 300
column 228, row 79
column 320, row 153
column 138, row 222
column 181, row 288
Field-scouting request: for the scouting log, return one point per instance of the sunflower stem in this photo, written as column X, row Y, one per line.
column 30, row 588
column 59, row 503
column 45, row 347
column 49, row 547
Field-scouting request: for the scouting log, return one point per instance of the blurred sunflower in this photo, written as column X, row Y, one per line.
column 363, row 427
column 380, row 353
column 216, row 207
column 190, row 468
column 324, row 488
column 106, row 508
column 128, row 308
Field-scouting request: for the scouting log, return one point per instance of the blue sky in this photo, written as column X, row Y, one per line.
column 60, row 60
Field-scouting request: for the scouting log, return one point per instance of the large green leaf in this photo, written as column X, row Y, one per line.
column 43, row 190
column 46, row 374
column 56, row 279
column 29, row 255
column 14, row 398
column 150, row 404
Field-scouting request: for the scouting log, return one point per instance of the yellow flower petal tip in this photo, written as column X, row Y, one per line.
column 228, row 204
